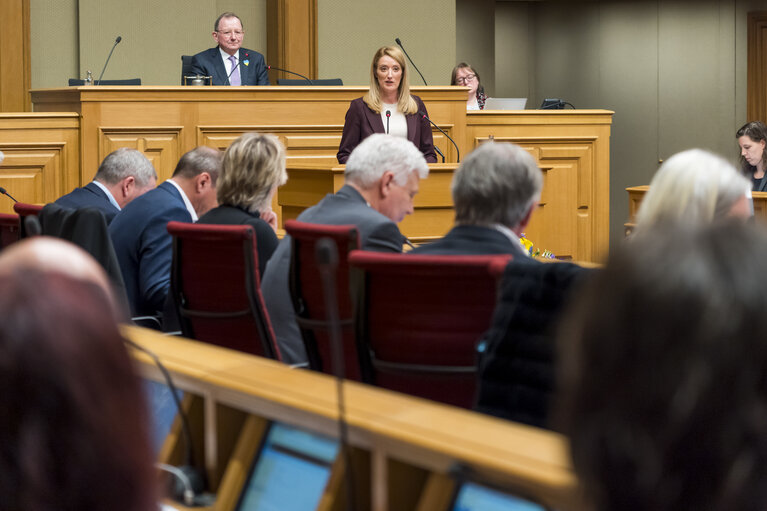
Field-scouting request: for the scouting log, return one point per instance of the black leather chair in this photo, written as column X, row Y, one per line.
column 186, row 67
column 322, row 81
column 74, row 82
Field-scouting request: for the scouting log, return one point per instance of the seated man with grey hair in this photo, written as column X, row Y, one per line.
column 381, row 180
column 123, row 175
column 495, row 191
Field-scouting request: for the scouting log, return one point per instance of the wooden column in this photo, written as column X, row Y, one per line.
column 15, row 70
column 756, row 109
column 292, row 38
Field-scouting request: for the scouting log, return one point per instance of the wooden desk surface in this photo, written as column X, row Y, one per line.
column 411, row 430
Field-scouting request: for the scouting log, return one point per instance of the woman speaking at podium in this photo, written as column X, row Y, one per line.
column 388, row 107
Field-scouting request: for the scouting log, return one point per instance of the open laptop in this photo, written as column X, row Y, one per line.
column 505, row 103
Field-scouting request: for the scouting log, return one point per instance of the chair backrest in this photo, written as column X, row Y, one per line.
column 216, row 287
column 24, row 210
column 10, row 229
column 126, row 81
column 421, row 317
column 517, row 366
column 186, row 67
column 318, row 81
column 308, row 301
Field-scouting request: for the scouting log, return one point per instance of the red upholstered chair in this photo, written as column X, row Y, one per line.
column 216, row 287
column 308, row 301
column 421, row 317
column 24, row 210
column 10, row 229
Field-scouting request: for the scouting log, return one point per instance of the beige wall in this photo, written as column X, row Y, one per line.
column 154, row 36
column 349, row 33
column 674, row 72
column 475, row 40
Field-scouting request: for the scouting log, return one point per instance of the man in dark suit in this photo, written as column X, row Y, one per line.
column 495, row 191
column 381, row 180
column 229, row 63
column 123, row 175
column 139, row 234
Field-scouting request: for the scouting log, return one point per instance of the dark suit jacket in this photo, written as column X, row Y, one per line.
column 89, row 196
column 361, row 122
column 471, row 240
column 144, row 247
column 347, row 206
column 266, row 239
column 209, row 63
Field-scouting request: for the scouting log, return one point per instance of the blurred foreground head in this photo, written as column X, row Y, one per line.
column 664, row 373
column 73, row 432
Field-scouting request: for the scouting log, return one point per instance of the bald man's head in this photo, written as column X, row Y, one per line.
column 46, row 254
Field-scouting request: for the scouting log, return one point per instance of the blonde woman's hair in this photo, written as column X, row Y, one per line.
column 694, row 187
column 252, row 167
column 405, row 102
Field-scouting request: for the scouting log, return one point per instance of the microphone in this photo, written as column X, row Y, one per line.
column 388, row 114
column 326, row 257
column 457, row 152
column 239, row 61
column 5, row 192
column 117, row 41
column 290, row 73
column 440, row 153
column 192, row 480
column 411, row 60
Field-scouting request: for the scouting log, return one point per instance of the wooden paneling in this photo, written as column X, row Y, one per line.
column 433, row 215
column 15, row 56
column 292, row 38
column 572, row 148
column 42, row 157
column 756, row 108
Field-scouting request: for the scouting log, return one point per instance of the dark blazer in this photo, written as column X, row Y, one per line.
column 144, row 247
column 89, row 196
column 347, row 206
column 209, row 63
column 361, row 122
column 471, row 240
column 266, row 239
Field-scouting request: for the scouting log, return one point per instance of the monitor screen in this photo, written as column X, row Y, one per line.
column 290, row 472
column 475, row 497
column 162, row 411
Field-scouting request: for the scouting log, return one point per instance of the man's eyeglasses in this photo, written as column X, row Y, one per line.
column 465, row 79
column 229, row 33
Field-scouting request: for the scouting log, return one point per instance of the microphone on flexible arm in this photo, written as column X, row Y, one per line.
column 457, row 152
column 5, row 192
column 388, row 114
column 290, row 73
column 239, row 61
column 117, row 41
column 411, row 60
column 440, row 153
column 326, row 257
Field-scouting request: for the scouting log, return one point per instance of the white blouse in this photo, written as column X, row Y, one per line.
column 397, row 122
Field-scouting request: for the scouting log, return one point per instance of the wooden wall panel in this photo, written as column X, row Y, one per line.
column 15, row 56
column 162, row 146
column 292, row 37
column 756, row 108
column 42, row 157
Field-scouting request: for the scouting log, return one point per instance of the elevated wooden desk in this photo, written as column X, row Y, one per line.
column 396, row 430
column 572, row 147
column 433, row 216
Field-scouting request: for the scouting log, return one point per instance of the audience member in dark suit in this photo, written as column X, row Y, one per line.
column 141, row 240
column 219, row 62
column 663, row 366
column 388, row 107
column 75, row 432
column 495, row 191
column 382, row 177
column 252, row 169
column 123, row 175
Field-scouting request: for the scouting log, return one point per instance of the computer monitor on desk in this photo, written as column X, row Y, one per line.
column 505, row 103
column 290, row 471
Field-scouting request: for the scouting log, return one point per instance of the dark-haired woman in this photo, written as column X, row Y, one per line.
column 752, row 138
